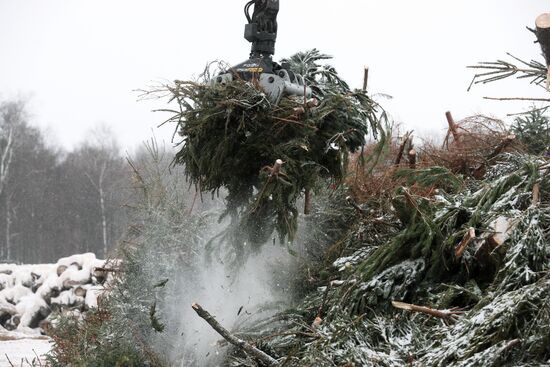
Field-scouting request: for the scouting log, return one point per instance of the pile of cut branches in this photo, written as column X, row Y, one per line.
column 268, row 156
column 457, row 278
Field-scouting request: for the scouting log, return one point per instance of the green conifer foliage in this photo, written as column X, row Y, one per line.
column 232, row 137
column 533, row 130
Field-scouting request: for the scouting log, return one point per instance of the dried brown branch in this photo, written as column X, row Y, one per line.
column 481, row 139
column 453, row 127
column 239, row 343
column 448, row 316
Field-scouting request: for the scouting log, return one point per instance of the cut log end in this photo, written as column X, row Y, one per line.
column 61, row 269
column 543, row 21
column 401, row 305
column 80, row 291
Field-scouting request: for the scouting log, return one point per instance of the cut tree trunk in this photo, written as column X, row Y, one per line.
column 412, row 159
column 542, row 31
column 543, row 35
column 453, row 127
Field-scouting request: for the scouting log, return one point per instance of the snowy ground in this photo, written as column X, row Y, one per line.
column 23, row 352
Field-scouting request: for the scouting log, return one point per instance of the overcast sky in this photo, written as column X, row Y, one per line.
column 78, row 62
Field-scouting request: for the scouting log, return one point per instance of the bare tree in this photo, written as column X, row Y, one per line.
column 55, row 203
column 11, row 115
column 103, row 160
column 11, row 120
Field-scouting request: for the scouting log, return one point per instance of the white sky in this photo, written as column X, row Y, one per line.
column 79, row 61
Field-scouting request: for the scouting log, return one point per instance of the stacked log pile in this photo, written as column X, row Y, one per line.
column 32, row 295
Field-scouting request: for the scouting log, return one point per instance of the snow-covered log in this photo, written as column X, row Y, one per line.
column 30, row 295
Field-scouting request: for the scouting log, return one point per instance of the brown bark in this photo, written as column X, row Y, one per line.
column 307, row 202
column 542, row 31
column 366, row 79
column 239, row 343
column 412, row 159
column 536, row 194
column 406, row 139
column 447, row 315
column 453, row 127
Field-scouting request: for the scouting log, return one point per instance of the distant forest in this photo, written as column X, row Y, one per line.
column 55, row 203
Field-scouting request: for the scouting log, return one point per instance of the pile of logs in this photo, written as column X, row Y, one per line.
column 31, row 295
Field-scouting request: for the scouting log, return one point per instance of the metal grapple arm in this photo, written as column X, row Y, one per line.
column 275, row 80
column 261, row 29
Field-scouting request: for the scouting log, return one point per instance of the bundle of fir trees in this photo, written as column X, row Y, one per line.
column 268, row 156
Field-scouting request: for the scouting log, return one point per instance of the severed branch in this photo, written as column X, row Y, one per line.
column 536, row 195
column 274, row 172
column 448, row 316
column 366, row 78
column 453, row 127
column 461, row 247
column 404, row 143
column 493, row 71
column 239, row 343
column 412, row 158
